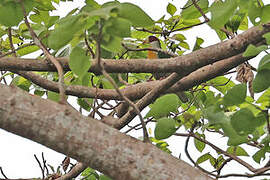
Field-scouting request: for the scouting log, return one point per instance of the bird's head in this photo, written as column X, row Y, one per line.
column 153, row 41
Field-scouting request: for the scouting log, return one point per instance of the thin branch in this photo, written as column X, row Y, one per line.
column 58, row 66
column 200, row 10
column 88, row 46
column 74, row 172
column 2, row 172
column 149, row 98
column 134, row 106
column 42, row 170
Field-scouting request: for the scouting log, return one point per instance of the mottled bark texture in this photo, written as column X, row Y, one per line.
column 89, row 141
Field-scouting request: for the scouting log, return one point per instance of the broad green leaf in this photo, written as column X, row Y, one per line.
column 66, row 30
column 259, row 155
column 11, row 12
column 244, row 122
column 222, row 84
column 254, row 12
column 103, row 177
column 79, row 63
column 199, row 144
column 27, row 50
column 21, row 82
column 53, row 96
column 85, row 103
column 119, row 27
column 253, row 50
column 267, row 37
column 264, row 63
column 221, row 12
column 135, row 15
column 113, row 44
column 265, row 16
column 261, row 81
column 197, row 44
column 265, row 97
column 165, row 127
column 236, row 95
column 219, row 118
column 191, row 12
column 237, row 151
column 204, row 158
column 164, row 105
column 171, row 9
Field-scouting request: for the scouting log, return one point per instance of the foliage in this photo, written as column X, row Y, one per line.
column 218, row 106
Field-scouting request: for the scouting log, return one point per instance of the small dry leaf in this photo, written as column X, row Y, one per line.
column 65, row 163
column 245, row 75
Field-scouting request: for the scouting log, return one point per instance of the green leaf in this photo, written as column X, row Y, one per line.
column 265, row 16
column 264, row 63
column 222, row 84
column 21, row 82
column 221, row 12
column 261, row 81
column 11, row 12
column 119, row 27
column 244, row 122
column 204, row 158
column 254, row 12
column 135, row 15
column 64, row 33
column 164, row 105
column 53, row 96
column 165, row 127
column 259, row 155
column 191, row 12
column 253, row 50
column 171, row 9
column 265, row 97
column 199, row 144
column 79, row 63
column 85, row 103
column 113, row 45
column 103, row 177
column 237, row 151
column 27, row 50
column 219, row 118
column 198, row 44
column 267, row 37
column 236, row 95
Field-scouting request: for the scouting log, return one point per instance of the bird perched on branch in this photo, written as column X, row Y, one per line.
column 155, row 43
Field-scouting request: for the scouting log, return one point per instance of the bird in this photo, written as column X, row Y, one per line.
column 154, row 42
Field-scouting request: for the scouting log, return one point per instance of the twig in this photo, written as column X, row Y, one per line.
column 44, row 164
column 2, row 172
column 135, row 127
column 200, row 10
column 188, row 155
column 58, row 66
column 74, row 172
column 135, row 108
column 150, row 97
column 88, row 46
column 12, row 51
column 42, row 170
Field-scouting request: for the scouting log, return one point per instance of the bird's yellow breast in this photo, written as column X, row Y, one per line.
column 152, row 55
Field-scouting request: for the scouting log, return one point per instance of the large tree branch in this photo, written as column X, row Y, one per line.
column 65, row 130
column 137, row 91
column 182, row 64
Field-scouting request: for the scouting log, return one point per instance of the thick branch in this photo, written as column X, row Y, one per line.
column 137, row 91
column 189, row 62
column 65, row 130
